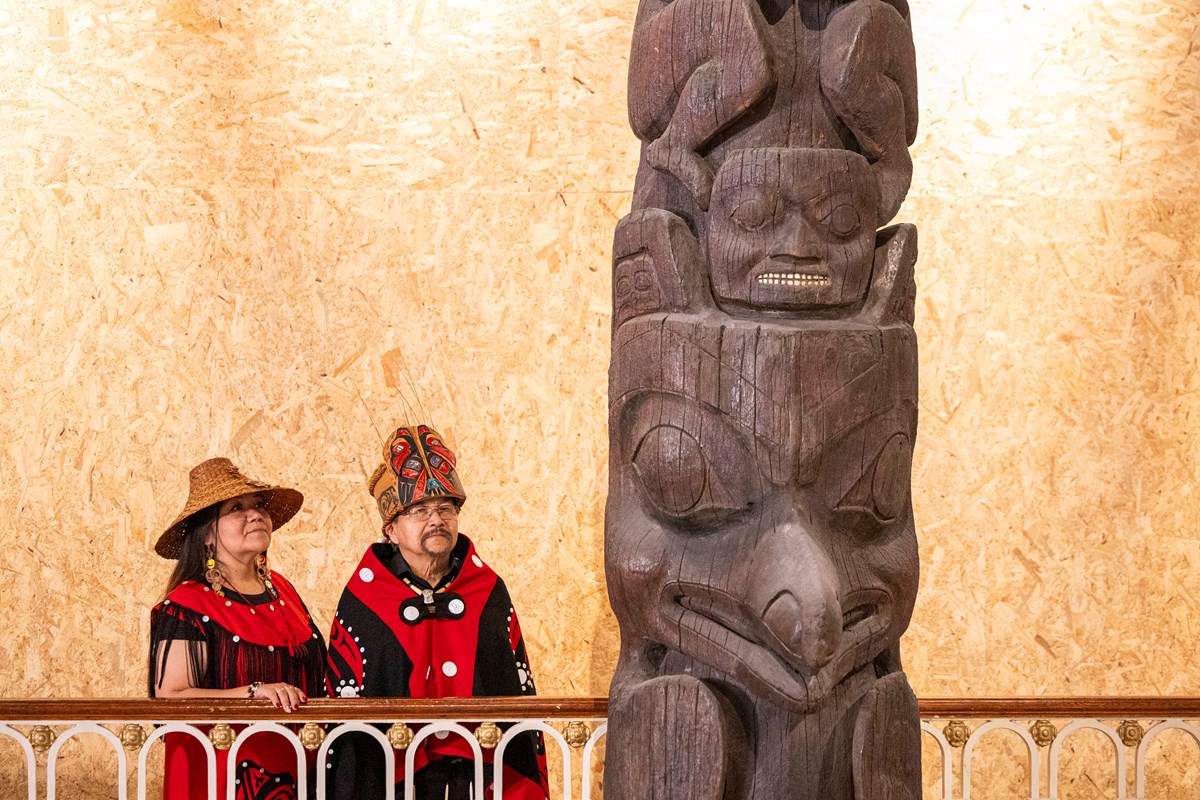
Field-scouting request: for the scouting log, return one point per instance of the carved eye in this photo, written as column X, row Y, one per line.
column 672, row 467
column 844, row 220
column 635, row 276
column 880, row 495
column 690, row 486
column 631, row 275
column 890, row 484
column 752, row 214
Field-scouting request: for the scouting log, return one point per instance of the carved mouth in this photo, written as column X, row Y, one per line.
column 725, row 617
column 792, row 279
column 858, row 615
column 716, row 630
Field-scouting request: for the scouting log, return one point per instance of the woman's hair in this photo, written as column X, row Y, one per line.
column 192, row 553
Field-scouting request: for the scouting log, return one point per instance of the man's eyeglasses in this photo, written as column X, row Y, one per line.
column 423, row 513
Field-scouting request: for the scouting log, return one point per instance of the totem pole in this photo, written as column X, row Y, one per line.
column 760, row 546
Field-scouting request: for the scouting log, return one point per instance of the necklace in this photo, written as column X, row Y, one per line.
column 268, row 618
column 424, row 594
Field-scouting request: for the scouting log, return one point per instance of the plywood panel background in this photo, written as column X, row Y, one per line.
column 240, row 228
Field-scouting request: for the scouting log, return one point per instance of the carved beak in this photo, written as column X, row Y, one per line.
column 794, row 590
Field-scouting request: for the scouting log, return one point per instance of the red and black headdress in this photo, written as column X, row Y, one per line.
column 417, row 465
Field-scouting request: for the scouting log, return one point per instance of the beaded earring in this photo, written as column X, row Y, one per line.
column 264, row 574
column 211, row 573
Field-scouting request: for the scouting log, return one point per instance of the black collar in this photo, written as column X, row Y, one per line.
column 389, row 555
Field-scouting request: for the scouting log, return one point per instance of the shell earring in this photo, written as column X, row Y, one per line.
column 264, row 574
column 211, row 573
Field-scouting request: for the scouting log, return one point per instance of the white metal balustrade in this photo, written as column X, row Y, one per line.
column 40, row 728
column 571, row 727
column 1044, row 727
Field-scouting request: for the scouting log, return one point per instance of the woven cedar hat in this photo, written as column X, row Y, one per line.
column 417, row 465
column 215, row 481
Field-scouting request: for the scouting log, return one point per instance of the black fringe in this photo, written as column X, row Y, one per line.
column 232, row 663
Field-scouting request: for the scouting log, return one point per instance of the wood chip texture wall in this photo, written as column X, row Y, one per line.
column 264, row 230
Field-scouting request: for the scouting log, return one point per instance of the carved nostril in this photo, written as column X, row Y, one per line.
column 805, row 632
column 782, row 617
column 796, row 252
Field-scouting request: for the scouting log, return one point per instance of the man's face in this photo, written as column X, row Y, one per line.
column 425, row 530
column 792, row 229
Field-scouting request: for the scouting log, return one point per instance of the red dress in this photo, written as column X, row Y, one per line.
column 231, row 642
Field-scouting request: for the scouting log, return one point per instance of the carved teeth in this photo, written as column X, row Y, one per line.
column 793, row 279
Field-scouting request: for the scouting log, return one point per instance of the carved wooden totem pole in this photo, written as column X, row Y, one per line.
column 760, row 547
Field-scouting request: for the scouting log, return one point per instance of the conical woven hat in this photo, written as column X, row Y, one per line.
column 215, row 481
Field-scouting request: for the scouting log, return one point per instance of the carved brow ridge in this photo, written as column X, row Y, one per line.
column 808, row 194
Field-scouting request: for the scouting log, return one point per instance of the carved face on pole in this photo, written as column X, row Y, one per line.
column 760, row 505
column 760, row 550
column 791, row 229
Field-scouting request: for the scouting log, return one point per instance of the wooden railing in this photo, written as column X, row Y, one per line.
column 1060, row 707
column 116, row 709
column 320, row 709
column 1043, row 726
column 1046, row 727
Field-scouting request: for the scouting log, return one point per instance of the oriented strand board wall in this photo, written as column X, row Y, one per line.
column 241, row 228
column 267, row 230
column 1059, row 321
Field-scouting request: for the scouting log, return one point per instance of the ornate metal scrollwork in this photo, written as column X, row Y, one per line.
column 222, row 736
column 577, row 734
column 311, row 736
column 956, row 733
column 488, row 734
column 41, row 737
column 1131, row 732
column 400, row 735
column 1043, row 732
column 133, row 736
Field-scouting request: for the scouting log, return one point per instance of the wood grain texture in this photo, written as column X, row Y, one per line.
column 317, row 709
column 120, row 709
column 760, row 546
column 1055, row 174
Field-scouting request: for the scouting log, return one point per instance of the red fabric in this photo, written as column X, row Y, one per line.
column 431, row 645
column 267, row 761
column 269, row 771
column 285, row 626
column 442, row 651
column 518, row 787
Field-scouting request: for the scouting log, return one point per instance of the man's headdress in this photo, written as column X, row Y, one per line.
column 417, row 465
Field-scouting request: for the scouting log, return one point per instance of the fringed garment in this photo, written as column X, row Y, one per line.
column 232, row 642
column 395, row 636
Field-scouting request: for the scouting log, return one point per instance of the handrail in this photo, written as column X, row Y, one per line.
column 1030, row 707
column 561, row 708
column 323, row 709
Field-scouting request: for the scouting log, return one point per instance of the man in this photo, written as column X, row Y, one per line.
column 424, row 616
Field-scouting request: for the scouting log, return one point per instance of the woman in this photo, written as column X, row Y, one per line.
column 229, row 627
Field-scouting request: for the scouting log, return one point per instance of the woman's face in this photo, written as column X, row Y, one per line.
column 243, row 528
